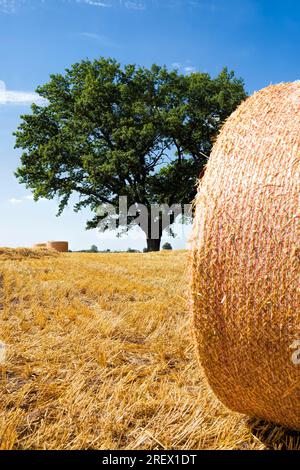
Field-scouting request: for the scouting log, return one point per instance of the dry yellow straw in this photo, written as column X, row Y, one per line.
column 246, row 257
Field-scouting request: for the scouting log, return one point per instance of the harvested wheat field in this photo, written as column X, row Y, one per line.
column 100, row 355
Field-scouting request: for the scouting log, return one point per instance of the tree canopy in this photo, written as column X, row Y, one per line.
column 107, row 131
column 167, row 246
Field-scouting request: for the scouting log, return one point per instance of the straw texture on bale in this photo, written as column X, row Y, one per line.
column 60, row 246
column 245, row 289
column 39, row 245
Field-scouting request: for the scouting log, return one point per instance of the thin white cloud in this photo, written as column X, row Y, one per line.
column 95, row 3
column 189, row 69
column 14, row 201
column 8, row 6
column 130, row 5
column 12, row 6
column 100, row 38
column 176, row 65
column 186, row 68
column 18, row 97
column 30, row 197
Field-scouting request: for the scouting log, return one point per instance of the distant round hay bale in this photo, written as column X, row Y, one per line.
column 39, row 245
column 60, row 246
column 246, row 258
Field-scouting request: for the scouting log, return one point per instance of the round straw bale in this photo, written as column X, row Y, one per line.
column 245, row 259
column 39, row 245
column 60, row 246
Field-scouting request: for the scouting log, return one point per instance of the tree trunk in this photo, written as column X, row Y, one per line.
column 153, row 244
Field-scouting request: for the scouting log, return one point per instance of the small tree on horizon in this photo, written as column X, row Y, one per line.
column 107, row 131
column 167, row 246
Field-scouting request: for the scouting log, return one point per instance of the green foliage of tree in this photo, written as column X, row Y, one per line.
column 107, row 131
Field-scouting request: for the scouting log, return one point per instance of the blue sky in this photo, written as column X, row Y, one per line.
column 258, row 39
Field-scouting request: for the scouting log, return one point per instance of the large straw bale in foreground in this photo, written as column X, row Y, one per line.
column 246, row 259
